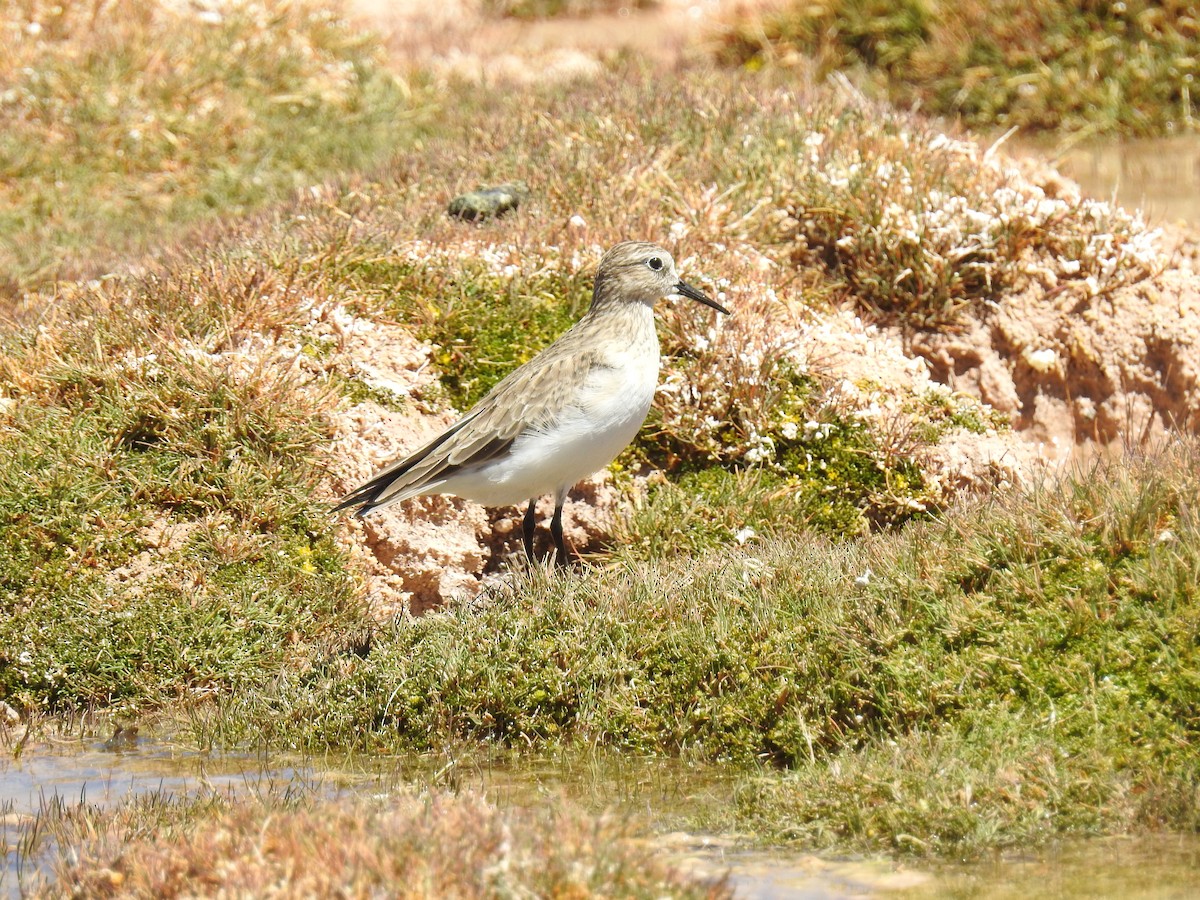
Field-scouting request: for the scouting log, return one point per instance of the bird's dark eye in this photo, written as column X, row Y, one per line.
column 655, row 263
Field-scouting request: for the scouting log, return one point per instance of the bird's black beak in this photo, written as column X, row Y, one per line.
column 692, row 294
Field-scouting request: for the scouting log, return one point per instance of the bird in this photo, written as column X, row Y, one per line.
column 560, row 417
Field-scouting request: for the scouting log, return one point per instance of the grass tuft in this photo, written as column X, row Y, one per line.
column 161, row 540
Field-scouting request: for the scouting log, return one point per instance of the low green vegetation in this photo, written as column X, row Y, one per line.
column 832, row 476
column 1033, row 657
column 123, row 118
column 482, row 324
column 161, row 540
column 540, row 9
column 1124, row 67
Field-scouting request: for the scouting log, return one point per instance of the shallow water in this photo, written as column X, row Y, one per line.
column 1152, row 867
column 665, row 793
column 63, row 774
column 1159, row 176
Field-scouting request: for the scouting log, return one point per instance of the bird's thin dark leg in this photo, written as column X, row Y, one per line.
column 565, row 556
column 528, row 526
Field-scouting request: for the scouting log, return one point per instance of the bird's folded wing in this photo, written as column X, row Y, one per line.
column 532, row 397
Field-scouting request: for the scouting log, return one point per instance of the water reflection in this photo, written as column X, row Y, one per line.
column 1152, row 867
column 100, row 774
column 50, row 777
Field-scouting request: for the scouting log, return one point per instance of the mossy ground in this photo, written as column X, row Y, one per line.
column 132, row 432
column 994, row 653
column 1026, row 664
column 1126, row 67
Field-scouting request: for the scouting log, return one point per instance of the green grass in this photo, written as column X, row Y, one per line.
column 1126, row 67
column 124, row 119
column 1038, row 652
column 180, row 403
column 164, row 420
column 482, row 325
column 120, row 437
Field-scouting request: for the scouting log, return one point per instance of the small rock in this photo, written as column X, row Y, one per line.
column 124, row 737
column 487, row 203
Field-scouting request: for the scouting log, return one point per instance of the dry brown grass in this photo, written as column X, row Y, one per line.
column 436, row 846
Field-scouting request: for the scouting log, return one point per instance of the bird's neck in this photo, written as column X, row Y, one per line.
column 623, row 321
column 606, row 293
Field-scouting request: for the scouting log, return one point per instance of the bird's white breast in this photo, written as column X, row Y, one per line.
column 600, row 418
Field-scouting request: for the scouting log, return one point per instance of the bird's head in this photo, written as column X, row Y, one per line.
column 641, row 272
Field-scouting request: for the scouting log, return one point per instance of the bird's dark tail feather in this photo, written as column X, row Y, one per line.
column 366, row 496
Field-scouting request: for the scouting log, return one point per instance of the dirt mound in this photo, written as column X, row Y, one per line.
column 1094, row 371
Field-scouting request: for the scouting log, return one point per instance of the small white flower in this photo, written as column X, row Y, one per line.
column 817, row 431
column 864, row 579
column 744, row 534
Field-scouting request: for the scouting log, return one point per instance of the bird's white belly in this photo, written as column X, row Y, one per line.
column 599, row 423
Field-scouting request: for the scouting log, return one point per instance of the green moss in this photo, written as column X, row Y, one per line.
column 482, row 325
column 491, row 326
column 356, row 390
column 159, row 539
column 804, row 464
column 1037, row 654
column 1124, row 67
column 939, row 412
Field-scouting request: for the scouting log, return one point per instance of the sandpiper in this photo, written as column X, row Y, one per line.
column 561, row 416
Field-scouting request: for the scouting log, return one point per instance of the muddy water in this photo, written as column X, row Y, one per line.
column 665, row 793
column 1160, row 176
column 1155, row 867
